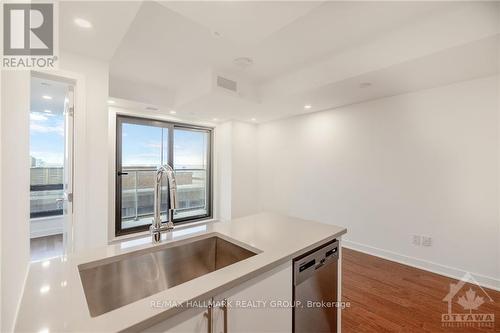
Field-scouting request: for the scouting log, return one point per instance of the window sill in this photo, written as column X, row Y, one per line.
column 118, row 239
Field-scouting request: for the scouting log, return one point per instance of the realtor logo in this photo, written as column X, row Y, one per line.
column 28, row 36
column 28, row 29
column 470, row 300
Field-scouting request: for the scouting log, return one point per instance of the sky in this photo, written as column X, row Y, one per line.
column 141, row 144
column 47, row 137
column 47, row 102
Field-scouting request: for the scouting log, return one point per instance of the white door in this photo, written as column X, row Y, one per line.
column 67, row 200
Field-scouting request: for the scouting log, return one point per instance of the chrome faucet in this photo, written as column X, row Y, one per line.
column 157, row 226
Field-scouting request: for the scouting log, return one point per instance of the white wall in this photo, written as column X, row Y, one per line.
column 223, row 170
column 244, row 184
column 91, row 151
column 236, row 167
column 14, row 191
column 421, row 163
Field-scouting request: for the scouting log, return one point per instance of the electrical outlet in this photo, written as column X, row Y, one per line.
column 426, row 241
column 417, row 240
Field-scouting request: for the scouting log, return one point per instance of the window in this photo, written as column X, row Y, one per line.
column 141, row 146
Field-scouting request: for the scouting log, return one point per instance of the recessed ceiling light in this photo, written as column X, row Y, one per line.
column 253, row 119
column 110, row 101
column 47, row 97
column 82, row 23
column 214, row 119
column 173, row 112
column 307, row 106
column 44, row 289
column 243, row 62
column 216, row 34
column 365, row 84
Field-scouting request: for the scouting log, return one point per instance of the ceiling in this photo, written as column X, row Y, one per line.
column 242, row 23
column 173, row 40
column 110, row 21
column 47, row 96
column 474, row 60
column 169, row 54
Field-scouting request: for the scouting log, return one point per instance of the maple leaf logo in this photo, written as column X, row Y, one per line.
column 470, row 301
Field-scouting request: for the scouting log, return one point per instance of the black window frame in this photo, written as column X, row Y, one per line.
column 171, row 125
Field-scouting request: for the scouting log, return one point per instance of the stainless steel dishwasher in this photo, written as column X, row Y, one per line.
column 315, row 290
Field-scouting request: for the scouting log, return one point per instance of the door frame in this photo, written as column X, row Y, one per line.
column 78, row 215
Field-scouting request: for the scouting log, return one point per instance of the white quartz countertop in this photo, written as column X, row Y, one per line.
column 54, row 299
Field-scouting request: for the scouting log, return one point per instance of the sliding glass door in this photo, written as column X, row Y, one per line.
column 142, row 145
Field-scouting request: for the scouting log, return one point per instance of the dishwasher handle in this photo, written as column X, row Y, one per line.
column 305, row 265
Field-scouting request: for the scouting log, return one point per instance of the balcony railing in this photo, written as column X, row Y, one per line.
column 138, row 192
column 46, row 187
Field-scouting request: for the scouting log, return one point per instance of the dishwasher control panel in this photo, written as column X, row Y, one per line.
column 305, row 265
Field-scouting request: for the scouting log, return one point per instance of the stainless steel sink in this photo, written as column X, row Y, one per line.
column 111, row 285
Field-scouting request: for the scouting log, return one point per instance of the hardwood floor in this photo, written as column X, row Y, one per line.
column 386, row 296
column 46, row 247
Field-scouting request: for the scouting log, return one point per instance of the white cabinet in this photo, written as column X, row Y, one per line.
column 194, row 320
column 262, row 304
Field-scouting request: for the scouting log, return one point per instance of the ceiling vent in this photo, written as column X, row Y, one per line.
column 227, row 84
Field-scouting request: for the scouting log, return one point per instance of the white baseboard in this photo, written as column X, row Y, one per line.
column 46, row 226
column 455, row 273
column 46, row 232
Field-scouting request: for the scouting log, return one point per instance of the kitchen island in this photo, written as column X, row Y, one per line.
column 54, row 298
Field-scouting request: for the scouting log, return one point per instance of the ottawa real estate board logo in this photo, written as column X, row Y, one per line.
column 29, row 36
column 467, row 304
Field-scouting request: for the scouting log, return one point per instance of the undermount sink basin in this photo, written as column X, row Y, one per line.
column 111, row 285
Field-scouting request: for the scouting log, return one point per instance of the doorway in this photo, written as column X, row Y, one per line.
column 51, row 169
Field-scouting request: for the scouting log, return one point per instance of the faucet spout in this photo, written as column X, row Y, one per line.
column 158, row 226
